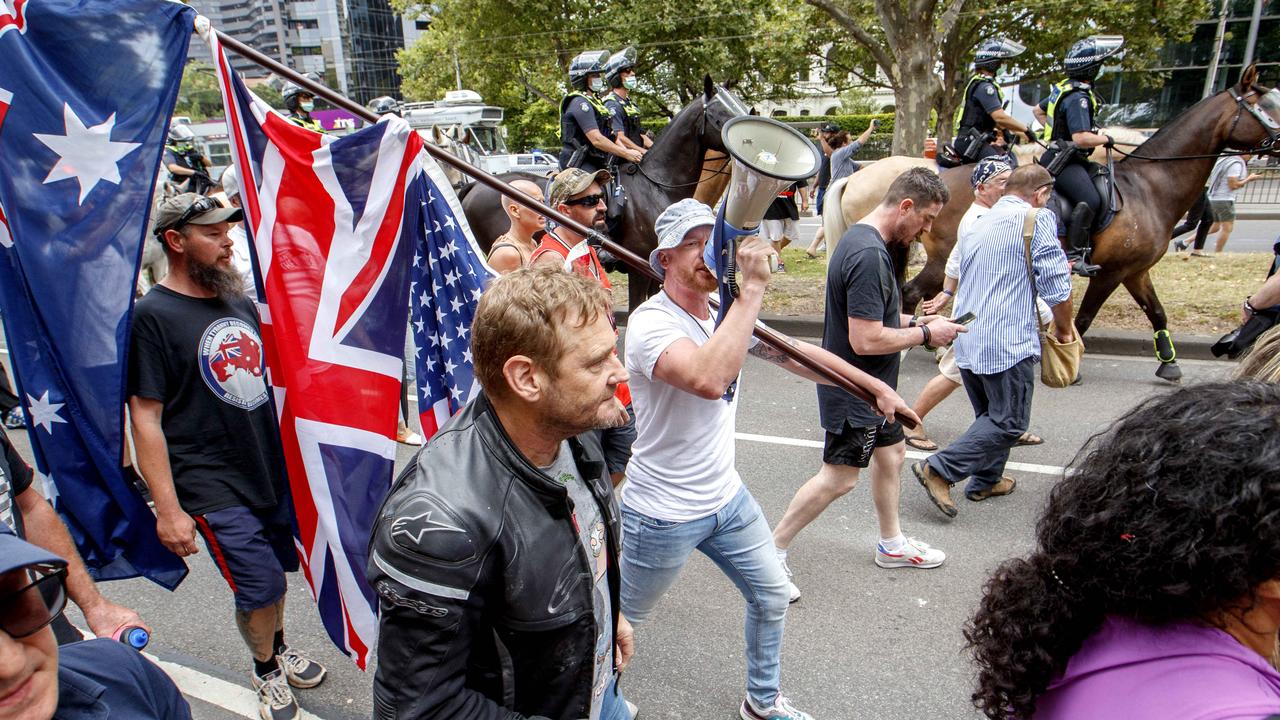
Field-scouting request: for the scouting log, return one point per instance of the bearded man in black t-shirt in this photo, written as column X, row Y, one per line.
column 207, row 442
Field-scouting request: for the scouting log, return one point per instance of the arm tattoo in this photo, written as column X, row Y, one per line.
column 767, row 352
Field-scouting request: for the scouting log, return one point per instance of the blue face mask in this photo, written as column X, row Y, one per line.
column 597, row 84
column 307, row 105
column 629, row 82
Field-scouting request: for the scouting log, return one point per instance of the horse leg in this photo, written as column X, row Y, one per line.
column 1140, row 287
column 1099, row 289
column 923, row 286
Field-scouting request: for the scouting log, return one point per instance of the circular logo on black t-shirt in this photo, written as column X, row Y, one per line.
column 231, row 363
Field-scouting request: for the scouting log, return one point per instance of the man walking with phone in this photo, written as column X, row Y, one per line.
column 997, row 357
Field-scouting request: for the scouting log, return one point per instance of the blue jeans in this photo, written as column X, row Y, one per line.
column 738, row 540
column 613, row 706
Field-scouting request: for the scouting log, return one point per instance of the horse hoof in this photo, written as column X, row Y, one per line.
column 1169, row 371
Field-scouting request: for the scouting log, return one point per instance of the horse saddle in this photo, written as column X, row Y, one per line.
column 1102, row 182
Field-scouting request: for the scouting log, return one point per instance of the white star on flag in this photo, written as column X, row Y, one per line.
column 43, row 413
column 87, row 154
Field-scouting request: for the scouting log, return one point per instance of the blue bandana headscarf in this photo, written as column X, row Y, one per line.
column 989, row 167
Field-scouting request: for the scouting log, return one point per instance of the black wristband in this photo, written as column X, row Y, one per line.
column 927, row 335
column 1247, row 306
column 914, row 319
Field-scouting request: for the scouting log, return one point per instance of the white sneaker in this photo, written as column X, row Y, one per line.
column 782, row 709
column 791, row 586
column 275, row 699
column 915, row 553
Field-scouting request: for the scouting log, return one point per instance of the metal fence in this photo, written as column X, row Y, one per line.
column 1263, row 191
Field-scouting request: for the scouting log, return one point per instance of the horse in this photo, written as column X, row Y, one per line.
column 670, row 171
column 1154, row 196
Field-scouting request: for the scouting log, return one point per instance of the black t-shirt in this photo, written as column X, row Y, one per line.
column 784, row 207
column 203, row 358
column 15, row 477
column 860, row 284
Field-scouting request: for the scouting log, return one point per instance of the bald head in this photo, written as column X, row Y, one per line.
column 524, row 222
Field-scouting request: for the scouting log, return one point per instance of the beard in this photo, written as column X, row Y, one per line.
column 571, row 414
column 223, row 281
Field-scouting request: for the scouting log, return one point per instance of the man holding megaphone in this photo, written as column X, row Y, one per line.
column 683, row 491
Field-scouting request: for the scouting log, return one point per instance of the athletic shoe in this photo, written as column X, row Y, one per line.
column 915, row 554
column 275, row 699
column 782, row 709
column 936, row 486
column 15, row 420
column 301, row 671
column 791, row 586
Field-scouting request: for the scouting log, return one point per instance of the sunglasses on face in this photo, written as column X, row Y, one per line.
column 25, row 611
column 588, row 201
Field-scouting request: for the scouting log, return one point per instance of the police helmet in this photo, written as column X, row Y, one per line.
column 1086, row 57
column 385, row 106
column 619, row 62
column 180, row 133
column 994, row 51
column 586, row 64
column 292, row 92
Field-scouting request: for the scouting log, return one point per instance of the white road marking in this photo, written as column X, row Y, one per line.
column 913, row 454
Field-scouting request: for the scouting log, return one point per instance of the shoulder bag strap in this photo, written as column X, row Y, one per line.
column 1028, row 231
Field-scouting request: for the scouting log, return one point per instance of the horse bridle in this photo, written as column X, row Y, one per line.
column 702, row 128
column 1267, row 146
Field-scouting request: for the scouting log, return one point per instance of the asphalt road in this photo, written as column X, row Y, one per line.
column 862, row 643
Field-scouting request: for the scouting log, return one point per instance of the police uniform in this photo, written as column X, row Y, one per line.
column 981, row 98
column 1070, row 108
column 581, row 113
column 625, row 118
column 308, row 122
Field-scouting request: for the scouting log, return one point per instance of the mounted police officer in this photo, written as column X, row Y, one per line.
column 586, row 130
column 188, row 167
column 1071, row 132
column 300, row 103
column 620, row 75
column 981, row 122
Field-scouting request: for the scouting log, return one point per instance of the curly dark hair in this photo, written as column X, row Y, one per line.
column 1171, row 514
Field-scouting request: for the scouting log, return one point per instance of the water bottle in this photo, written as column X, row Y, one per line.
column 132, row 635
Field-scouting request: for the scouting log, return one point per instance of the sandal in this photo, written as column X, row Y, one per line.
column 922, row 442
column 1027, row 438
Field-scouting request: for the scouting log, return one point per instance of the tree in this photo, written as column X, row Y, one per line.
column 517, row 55
column 200, row 99
column 923, row 48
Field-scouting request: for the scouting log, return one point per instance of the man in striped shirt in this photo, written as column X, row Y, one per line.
column 997, row 356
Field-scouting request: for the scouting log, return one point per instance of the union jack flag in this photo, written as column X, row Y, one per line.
column 336, row 223
column 449, row 275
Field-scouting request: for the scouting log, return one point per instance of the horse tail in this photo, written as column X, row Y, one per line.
column 833, row 223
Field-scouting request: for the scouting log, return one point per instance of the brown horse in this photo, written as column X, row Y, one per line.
column 1157, row 185
column 671, row 170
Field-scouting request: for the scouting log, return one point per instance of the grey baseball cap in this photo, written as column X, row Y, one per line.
column 674, row 223
column 17, row 553
column 192, row 209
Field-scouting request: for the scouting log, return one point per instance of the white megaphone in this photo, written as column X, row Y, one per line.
column 767, row 158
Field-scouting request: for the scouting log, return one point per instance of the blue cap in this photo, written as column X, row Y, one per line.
column 989, row 167
column 17, row 553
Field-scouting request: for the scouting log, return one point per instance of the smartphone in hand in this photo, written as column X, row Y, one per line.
column 964, row 319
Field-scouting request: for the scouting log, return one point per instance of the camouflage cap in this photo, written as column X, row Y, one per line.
column 568, row 183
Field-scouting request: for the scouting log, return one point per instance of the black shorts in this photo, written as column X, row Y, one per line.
column 853, row 445
column 253, row 549
column 616, row 443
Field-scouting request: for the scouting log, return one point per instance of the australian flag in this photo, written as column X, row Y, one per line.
column 86, row 90
column 335, row 224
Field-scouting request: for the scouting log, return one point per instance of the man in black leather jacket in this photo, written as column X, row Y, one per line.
column 495, row 555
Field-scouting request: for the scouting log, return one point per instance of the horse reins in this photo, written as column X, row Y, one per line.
column 702, row 127
column 1265, row 147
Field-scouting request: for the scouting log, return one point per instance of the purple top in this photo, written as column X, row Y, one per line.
column 1183, row 670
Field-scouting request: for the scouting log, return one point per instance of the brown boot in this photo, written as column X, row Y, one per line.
column 1004, row 487
column 937, row 486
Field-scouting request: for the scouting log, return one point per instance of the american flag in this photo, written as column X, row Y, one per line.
column 449, row 276
column 336, row 222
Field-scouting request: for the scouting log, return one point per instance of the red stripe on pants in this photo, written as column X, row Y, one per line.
column 218, row 558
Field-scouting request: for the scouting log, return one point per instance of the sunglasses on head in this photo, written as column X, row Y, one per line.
column 25, row 611
column 587, row 201
column 201, row 206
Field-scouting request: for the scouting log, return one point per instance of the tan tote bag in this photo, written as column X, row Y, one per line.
column 1059, row 362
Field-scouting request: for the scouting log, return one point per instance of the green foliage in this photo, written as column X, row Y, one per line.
column 852, row 124
column 199, row 97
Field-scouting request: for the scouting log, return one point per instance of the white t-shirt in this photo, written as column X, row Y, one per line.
column 964, row 233
column 682, row 461
column 240, row 258
column 1229, row 166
